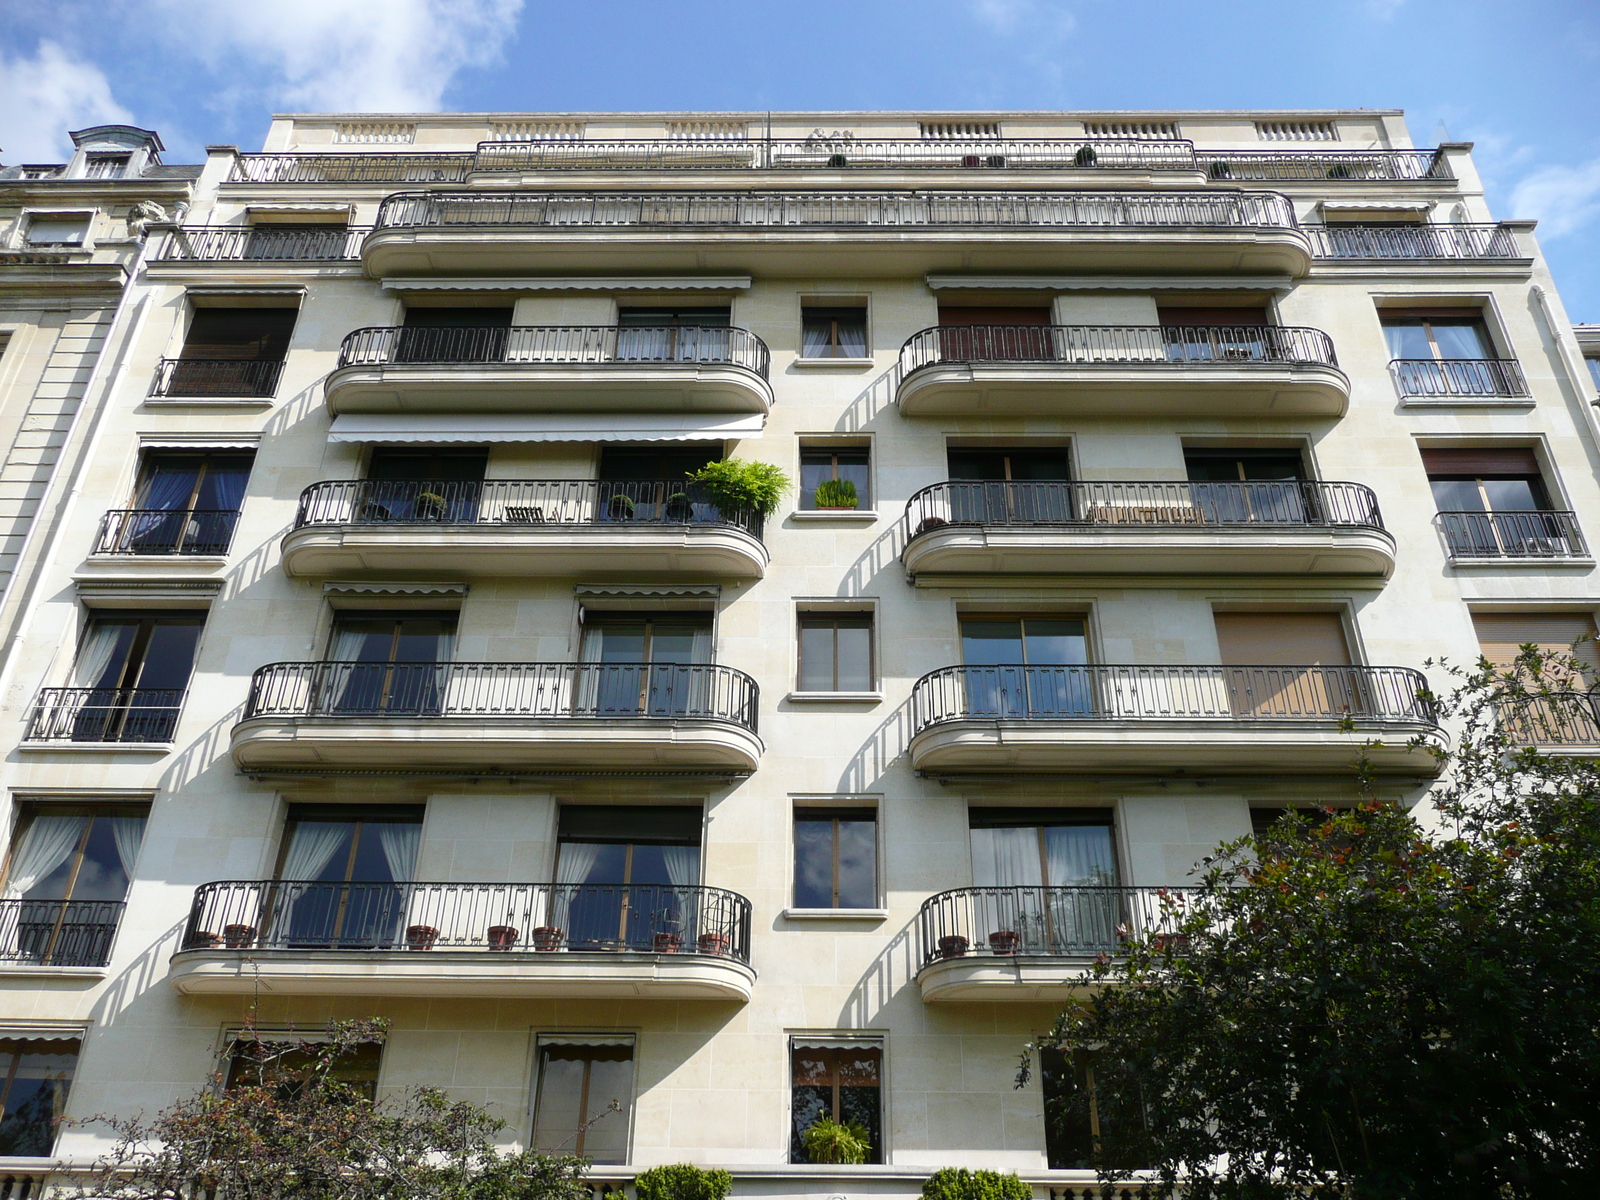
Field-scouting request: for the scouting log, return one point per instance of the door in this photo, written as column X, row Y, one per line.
column 1287, row 664
column 998, row 485
column 648, row 483
column 1021, row 667
column 1248, row 486
column 130, row 677
column 645, row 665
column 1216, row 334
column 628, row 878
column 673, row 334
column 339, row 882
column 66, row 878
column 973, row 334
column 187, row 503
column 1492, row 503
column 1047, row 876
column 387, row 664
column 233, row 352
column 454, row 335
column 424, row 485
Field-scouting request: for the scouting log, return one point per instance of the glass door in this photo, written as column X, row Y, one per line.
column 1010, row 486
column 67, row 875
column 424, row 485
column 388, row 664
column 132, row 672
column 623, row 877
column 1272, row 493
column 1046, row 880
column 646, row 664
column 338, row 877
column 1020, row 667
column 188, row 503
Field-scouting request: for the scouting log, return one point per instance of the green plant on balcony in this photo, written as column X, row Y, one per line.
column 836, row 493
column 735, row 484
column 682, row 1181
column 829, row 1141
column 958, row 1183
column 431, row 506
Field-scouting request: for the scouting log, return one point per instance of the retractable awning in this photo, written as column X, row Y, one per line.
column 545, row 427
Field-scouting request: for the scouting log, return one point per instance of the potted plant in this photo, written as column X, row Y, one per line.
column 680, row 509
column 430, row 506
column 619, row 508
column 836, row 495
column 203, row 939
column 421, row 937
column 928, row 524
column 838, row 160
column 547, row 938
column 237, row 937
column 1220, row 170
column 1004, row 941
column 1085, row 157
column 667, row 937
column 502, row 937
column 829, row 1141
column 737, row 485
column 953, row 946
column 715, row 943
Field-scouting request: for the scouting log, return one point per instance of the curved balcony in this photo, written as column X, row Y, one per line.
column 845, row 234
column 498, row 718
column 1159, row 720
column 1288, row 527
column 551, row 368
column 521, row 527
column 1121, row 370
column 1030, row 943
column 573, row 941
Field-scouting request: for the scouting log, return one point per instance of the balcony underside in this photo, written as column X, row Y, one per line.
column 1153, row 746
column 495, row 744
column 836, row 252
column 1121, row 550
column 1125, row 389
column 1017, row 979
column 524, row 549
column 557, row 975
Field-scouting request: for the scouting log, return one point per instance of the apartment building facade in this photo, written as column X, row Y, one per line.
column 387, row 663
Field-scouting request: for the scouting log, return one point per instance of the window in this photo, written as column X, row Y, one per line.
column 844, row 464
column 1014, row 464
column 309, row 241
column 645, row 664
column 1501, row 636
column 1044, row 881
column 184, row 504
column 629, row 464
column 1285, row 664
column 1025, row 666
column 841, row 1079
column 231, row 352
column 1001, row 485
column 106, row 166
column 388, row 663
column 836, row 652
column 253, row 1059
column 339, row 868
column 68, row 872
column 37, row 1075
column 444, row 335
column 835, row 858
column 128, row 681
column 628, row 878
column 424, row 485
column 1593, row 361
column 833, row 332
column 674, row 334
column 1081, row 1131
column 580, row 1079
column 1493, row 503
column 1446, row 352
column 67, row 229
column 990, row 334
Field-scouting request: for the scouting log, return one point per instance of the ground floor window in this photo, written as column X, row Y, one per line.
column 584, row 1099
column 35, row 1076
column 285, row 1060
column 1081, row 1130
column 841, row 1079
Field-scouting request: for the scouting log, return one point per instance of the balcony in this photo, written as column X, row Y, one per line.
column 499, row 718
column 1517, row 536
column 1292, row 527
column 552, row 368
column 1157, row 720
column 1325, row 166
column 351, row 168
column 1120, row 370
column 1031, row 944
column 1397, row 242
column 157, row 532
column 133, row 716
column 260, row 244
column 1564, row 723
column 525, row 940
column 1450, row 378
column 244, row 378
column 812, row 234
column 58, row 933
column 537, row 527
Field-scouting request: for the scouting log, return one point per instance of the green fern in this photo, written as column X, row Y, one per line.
column 827, row 1141
column 836, row 493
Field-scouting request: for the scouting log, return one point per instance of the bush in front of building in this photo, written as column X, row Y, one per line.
column 958, row 1183
column 682, row 1181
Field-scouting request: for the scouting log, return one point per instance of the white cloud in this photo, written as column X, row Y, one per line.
column 44, row 96
column 344, row 55
column 1563, row 199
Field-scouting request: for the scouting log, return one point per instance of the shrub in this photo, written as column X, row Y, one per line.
column 682, row 1181
column 958, row 1183
column 734, row 484
column 836, row 493
column 827, row 1141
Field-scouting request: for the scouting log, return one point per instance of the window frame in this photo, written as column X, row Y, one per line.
column 836, row 813
column 555, row 1037
column 876, row 1041
column 227, row 1056
column 1427, row 316
column 821, row 304
column 53, row 215
column 860, row 618
column 42, row 1033
column 817, row 447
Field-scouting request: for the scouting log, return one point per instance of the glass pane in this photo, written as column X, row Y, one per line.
column 1068, row 1136
column 623, row 643
column 855, row 658
column 855, row 469
column 559, row 1112
column 1456, row 495
column 1079, row 856
column 814, row 468
column 977, row 464
column 1055, row 643
column 985, row 643
column 169, row 655
column 561, row 1071
column 44, row 859
column 1038, row 464
column 318, row 850
column 1512, row 495
column 858, row 867
column 813, row 864
column 1594, row 369
column 672, row 643
column 1407, row 339
column 609, row 861
column 1461, row 339
column 101, row 875
column 1272, row 466
column 422, row 640
column 103, row 657
column 252, row 1061
column 610, row 1082
column 37, row 1097
column 816, row 658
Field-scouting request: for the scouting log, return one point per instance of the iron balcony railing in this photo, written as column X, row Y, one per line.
column 1103, row 212
column 1525, row 533
column 1268, row 505
column 508, row 918
column 1325, row 166
column 1157, row 345
column 166, row 531
column 1554, row 720
column 623, row 506
column 76, row 714
column 515, row 691
column 1089, row 693
column 1399, row 241
column 1458, row 377
column 589, row 344
column 351, row 168
column 58, row 933
column 261, row 243
column 254, row 377
column 1058, row 922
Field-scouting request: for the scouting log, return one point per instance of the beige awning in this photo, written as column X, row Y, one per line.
column 545, row 427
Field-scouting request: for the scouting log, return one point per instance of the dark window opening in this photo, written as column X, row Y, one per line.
column 341, row 871
column 833, row 333
column 836, row 652
column 630, row 464
column 1493, row 503
column 431, row 484
column 231, row 352
column 388, row 664
column 622, row 875
column 835, row 858
column 184, row 504
column 35, row 1078
column 669, row 317
column 840, row 1081
column 645, row 664
column 129, row 679
column 454, row 335
column 1031, row 464
column 257, row 1061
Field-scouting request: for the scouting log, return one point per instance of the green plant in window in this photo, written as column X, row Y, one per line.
column 958, row 1183
column 733, row 484
column 682, row 1181
column 828, row 1141
column 836, row 493
column 430, row 505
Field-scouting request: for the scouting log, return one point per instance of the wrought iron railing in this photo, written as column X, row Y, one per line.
column 1107, row 212
column 1064, row 922
column 1522, row 533
column 351, row 168
column 261, row 243
column 1555, row 720
column 76, row 714
column 1221, row 345
column 1325, row 166
column 596, row 344
column 1201, row 506
column 1403, row 241
column 520, row 503
column 255, row 377
column 1088, row 693
column 507, row 918
column 1458, row 377
column 166, row 531
column 58, row 933
column 515, row 690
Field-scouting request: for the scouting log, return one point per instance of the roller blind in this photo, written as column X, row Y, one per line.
column 1500, row 635
column 1282, row 639
column 952, row 315
column 1514, row 460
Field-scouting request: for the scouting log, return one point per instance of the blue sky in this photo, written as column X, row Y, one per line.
column 1522, row 81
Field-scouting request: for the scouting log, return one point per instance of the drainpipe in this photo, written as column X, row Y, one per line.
column 1575, row 370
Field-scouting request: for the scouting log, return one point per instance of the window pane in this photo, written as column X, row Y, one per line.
column 1068, row 1135
column 44, row 858
column 169, row 655
column 102, row 875
column 565, row 1073
column 1055, row 643
column 1461, row 339
column 1594, row 369
column 1508, row 495
column 814, row 468
column 816, row 657
column 855, row 658
column 853, row 1075
column 610, row 1081
column 254, row 1061
column 1408, row 339
column 57, row 233
column 854, row 467
column 985, row 643
column 813, row 864
column 858, row 865
column 37, row 1097
column 1456, row 495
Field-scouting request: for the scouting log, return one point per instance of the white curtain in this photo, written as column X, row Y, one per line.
column 576, row 860
column 127, row 833
column 814, row 341
column 346, row 644
column 683, row 865
column 852, row 340
column 313, row 847
column 1006, row 858
column 587, row 694
column 94, row 656
column 1079, row 856
column 445, row 646
column 400, row 842
column 48, row 843
column 700, row 651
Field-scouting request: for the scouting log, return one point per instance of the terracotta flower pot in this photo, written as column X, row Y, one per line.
column 953, row 946
column 1004, row 941
column 204, row 939
column 547, row 938
column 666, row 943
column 421, row 937
column 714, row 943
column 503, row 937
column 237, row 937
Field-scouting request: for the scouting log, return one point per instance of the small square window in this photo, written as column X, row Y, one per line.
column 579, row 1082
column 66, row 230
column 847, row 472
column 835, row 858
column 833, row 333
column 836, row 652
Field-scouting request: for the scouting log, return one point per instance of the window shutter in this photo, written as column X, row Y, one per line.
column 1501, row 635
column 1516, row 460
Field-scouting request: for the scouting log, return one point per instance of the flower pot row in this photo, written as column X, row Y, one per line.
column 1002, row 941
column 500, row 937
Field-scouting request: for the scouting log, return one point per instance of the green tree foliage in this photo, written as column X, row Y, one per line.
column 682, row 1181
column 734, row 483
column 1361, row 1006
column 958, row 1183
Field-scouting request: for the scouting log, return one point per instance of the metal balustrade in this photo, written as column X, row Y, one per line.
column 1268, row 505
column 1325, row 166
column 1458, row 377
column 351, row 168
column 253, row 377
column 515, row 690
column 260, row 243
column 1107, row 212
column 537, row 344
column 1555, row 720
column 1157, row 345
column 77, row 714
column 1064, row 922
column 58, row 933
column 1524, row 533
column 1402, row 241
column 506, row 918
column 158, row 531
column 624, row 506
column 1097, row 692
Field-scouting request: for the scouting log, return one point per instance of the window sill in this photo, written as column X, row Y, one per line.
column 834, row 697
column 809, row 364
column 95, row 747
column 1524, row 563
column 36, row 970
column 848, row 516
column 874, row 915
column 209, row 401
column 1467, row 402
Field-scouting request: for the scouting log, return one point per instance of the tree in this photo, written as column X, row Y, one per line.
column 1364, row 1007
column 288, row 1127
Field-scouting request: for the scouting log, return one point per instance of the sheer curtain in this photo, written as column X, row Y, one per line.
column 400, row 842
column 814, row 341
column 312, row 848
column 586, row 696
column 1008, row 860
column 574, row 861
column 346, row 644
column 1080, row 856
column 852, row 340
column 48, row 843
column 95, row 655
column 128, row 834
column 167, row 490
column 702, row 683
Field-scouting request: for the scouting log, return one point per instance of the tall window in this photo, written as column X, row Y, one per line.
column 626, row 877
column 68, row 872
column 424, row 484
column 1082, row 1130
column 339, row 867
column 35, row 1077
column 255, row 1059
column 444, row 335
column 841, row 1079
column 1228, row 503
column 232, row 352
column 1044, row 880
column 836, row 652
column 187, row 503
column 580, row 1080
column 129, row 680
column 835, row 858
column 1493, row 503
column 1593, row 362
column 1023, row 666
column 388, row 662
column 1442, row 335
column 834, row 466
column 645, row 664
column 673, row 334
column 1000, row 485
column 833, row 332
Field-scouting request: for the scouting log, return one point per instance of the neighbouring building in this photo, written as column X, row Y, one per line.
column 384, row 661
